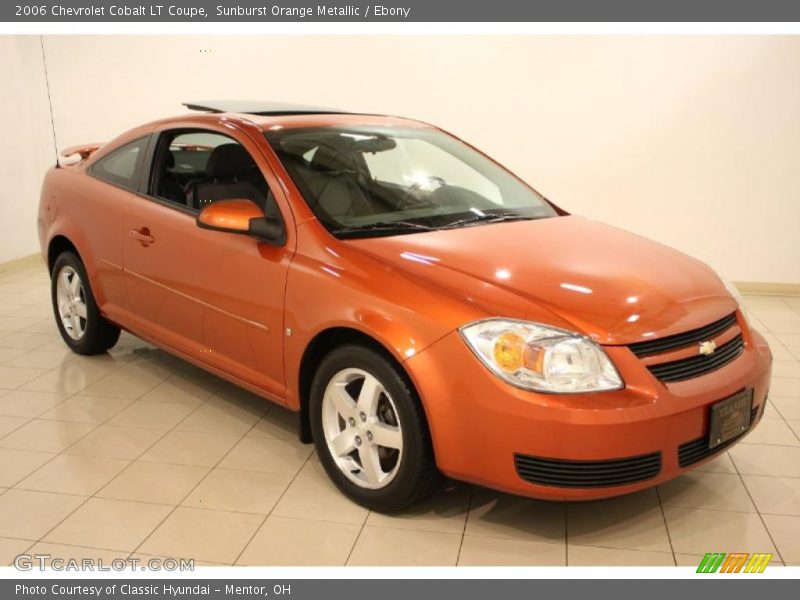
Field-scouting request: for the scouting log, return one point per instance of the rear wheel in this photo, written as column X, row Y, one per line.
column 79, row 321
column 370, row 430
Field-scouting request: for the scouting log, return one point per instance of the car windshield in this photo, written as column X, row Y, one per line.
column 376, row 181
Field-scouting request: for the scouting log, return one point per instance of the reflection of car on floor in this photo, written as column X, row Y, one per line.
column 422, row 309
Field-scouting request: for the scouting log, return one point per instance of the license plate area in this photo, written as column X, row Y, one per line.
column 730, row 418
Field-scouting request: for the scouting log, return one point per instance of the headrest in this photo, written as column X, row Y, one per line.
column 328, row 159
column 228, row 161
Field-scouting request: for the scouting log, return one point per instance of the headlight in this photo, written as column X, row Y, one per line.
column 541, row 358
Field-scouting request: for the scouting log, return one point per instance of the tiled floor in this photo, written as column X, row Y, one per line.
column 136, row 453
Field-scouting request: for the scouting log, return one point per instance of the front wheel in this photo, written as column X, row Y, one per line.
column 370, row 430
column 79, row 321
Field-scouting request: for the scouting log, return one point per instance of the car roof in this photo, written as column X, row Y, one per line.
column 261, row 108
column 271, row 114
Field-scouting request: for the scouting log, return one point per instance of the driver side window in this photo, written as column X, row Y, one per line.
column 196, row 168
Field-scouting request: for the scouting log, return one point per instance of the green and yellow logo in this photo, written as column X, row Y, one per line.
column 741, row 562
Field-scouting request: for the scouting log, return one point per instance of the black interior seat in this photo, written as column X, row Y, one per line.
column 230, row 173
column 340, row 196
column 168, row 185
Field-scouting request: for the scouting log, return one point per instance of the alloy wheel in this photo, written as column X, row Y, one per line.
column 71, row 300
column 362, row 429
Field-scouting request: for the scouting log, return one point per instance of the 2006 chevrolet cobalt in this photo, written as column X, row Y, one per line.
column 422, row 309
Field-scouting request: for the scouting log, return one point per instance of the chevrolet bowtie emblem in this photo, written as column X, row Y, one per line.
column 707, row 348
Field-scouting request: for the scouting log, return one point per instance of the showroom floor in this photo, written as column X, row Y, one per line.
column 137, row 453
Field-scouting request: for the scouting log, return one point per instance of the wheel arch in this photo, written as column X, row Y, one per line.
column 57, row 245
column 322, row 344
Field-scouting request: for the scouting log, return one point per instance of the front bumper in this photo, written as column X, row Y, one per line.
column 479, row 423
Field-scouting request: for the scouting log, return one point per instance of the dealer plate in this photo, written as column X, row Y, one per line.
column 730, row 418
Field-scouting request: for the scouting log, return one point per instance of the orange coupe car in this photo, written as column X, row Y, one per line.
column 423, row 310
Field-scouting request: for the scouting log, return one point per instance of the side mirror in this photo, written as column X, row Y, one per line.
column 242, row 216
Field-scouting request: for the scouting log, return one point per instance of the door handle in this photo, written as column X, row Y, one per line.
column 143, row 236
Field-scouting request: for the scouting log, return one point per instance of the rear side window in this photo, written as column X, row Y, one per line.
column 123, row 166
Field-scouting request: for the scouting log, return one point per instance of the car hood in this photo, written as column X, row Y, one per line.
column 611, row 285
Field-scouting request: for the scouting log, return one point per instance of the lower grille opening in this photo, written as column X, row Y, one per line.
column 582, row 474
column 697, row 450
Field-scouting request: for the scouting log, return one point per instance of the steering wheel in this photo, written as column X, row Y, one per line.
column 406, row 199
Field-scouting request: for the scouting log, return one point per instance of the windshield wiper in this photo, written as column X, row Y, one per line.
column 487, row 218
column 384, row 227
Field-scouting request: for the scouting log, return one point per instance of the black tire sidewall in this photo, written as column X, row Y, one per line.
column 89, row 340
column 416, row 446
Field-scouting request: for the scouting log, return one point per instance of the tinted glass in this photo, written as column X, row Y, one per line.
column 191, row 151
column 363, row 181
column 123, row 165
column 196, row 168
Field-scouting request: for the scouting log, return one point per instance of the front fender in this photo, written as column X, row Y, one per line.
column 348, row 289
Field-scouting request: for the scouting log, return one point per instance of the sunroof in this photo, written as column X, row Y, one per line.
column 259, row 108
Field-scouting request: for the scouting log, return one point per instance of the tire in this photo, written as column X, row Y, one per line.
column 79, row 321
column 408, row 473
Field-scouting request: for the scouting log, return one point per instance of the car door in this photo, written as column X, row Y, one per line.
column 111, row 183
column 215, row 296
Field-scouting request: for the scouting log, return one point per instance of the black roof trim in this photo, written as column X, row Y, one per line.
column 260, row 108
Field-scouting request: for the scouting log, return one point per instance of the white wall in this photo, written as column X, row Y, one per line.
column 26, row 143
column 693, row 141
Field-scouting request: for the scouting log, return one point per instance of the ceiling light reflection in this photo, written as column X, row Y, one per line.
column 576, row 288
column 420, row 258
column 330, row 271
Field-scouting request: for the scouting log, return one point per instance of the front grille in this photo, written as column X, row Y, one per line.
column 584, row 474
column 681, row 340
column 696, row 450
column 694, row 366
